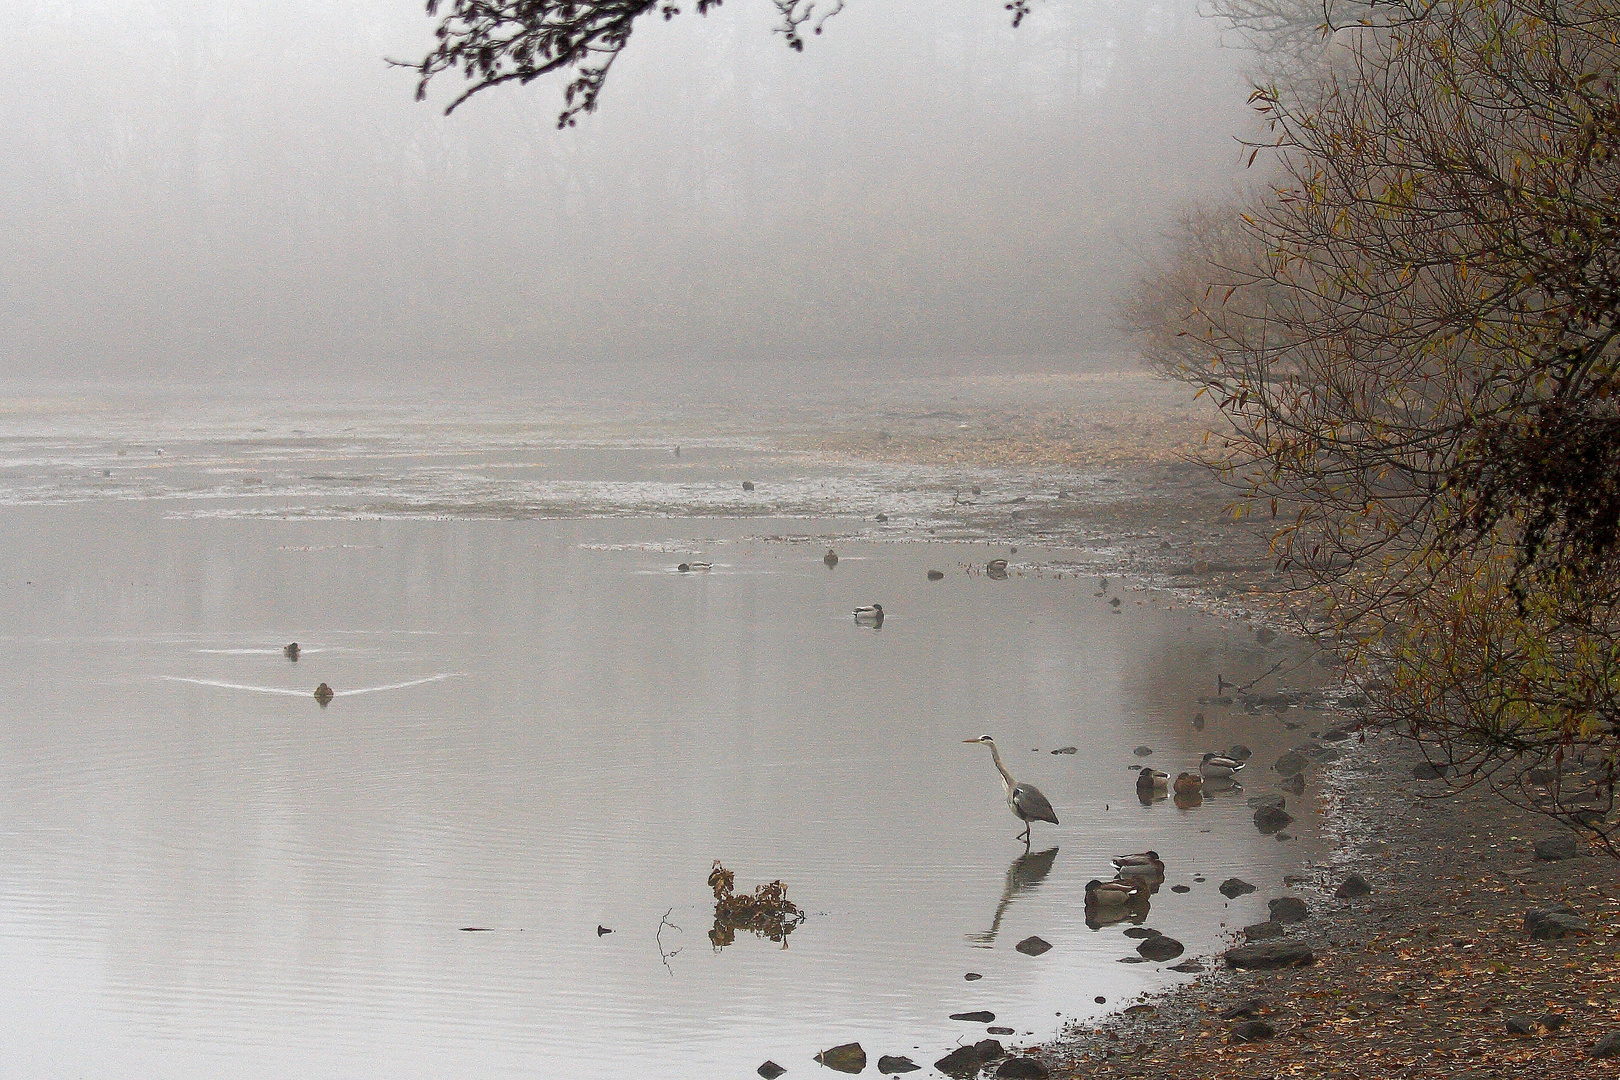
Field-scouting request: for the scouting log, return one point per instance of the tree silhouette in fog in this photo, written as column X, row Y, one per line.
column 499, row 41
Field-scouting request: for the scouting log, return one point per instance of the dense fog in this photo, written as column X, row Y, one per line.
column 243, row 188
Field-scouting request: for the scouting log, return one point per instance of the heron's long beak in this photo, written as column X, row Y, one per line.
column 970, row 740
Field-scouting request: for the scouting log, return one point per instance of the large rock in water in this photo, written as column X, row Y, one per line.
column 848, row 1058
column 1232, row 888
column 1292, row 763
column 1270, row 955
column 961, row 1062
column 1268, row 819
column 1161, row 948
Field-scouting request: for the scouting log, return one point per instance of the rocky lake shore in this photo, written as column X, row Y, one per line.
column 1485, row 944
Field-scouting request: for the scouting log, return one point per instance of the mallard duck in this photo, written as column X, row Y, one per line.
column 1144, row 864
column 1189, row 784
column 323, row 694
column 831, row 558
column 1105, row 894
column 1153, row 778
column 1024, row 800
column 871, row 615
column 1216, row 766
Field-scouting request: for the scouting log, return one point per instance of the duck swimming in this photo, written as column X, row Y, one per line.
column 1106, row 894
column 1153, row 778
column 831, row 558
column 1215, row 766
column 1187, row 784
column 871, row 615
column 1145, row 864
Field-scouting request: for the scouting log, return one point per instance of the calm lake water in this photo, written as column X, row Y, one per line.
column 542, row 728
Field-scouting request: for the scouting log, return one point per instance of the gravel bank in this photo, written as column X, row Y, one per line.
column 1431, row 975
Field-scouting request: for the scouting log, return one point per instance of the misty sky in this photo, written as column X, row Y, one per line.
column 243, row 188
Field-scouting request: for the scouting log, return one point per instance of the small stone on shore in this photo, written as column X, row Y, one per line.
column 1552, row 1021
column 1607, row 1047
column 1264, row 931
column 1352, row 886
column 1022, row 1068
column 1288, row 909
column 1554, row 848
column 1270, row 955
column 1187, row 966
column 1000, row 1030
column 890, row 1066
column 1253, row 1031
column 1244, row 1010
column 1520, row 1025
column 1426, row 771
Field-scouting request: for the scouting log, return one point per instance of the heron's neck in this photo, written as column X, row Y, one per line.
column 1006, row 777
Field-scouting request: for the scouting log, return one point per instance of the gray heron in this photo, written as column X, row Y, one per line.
column 1024, row 800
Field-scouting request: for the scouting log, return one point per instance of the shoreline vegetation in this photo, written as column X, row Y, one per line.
column 1435, row 972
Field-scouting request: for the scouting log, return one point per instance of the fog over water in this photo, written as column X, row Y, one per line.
column 243, row 188
column 536, row 442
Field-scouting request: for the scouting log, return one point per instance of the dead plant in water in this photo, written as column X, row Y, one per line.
column 767, row 911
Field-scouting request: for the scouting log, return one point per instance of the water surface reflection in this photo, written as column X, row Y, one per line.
column 200, row 877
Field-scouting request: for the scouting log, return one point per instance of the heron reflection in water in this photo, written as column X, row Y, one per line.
column 1025, row 872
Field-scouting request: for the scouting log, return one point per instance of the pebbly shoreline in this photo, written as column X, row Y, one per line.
column 1433, row 974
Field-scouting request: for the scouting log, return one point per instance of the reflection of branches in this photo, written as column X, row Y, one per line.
column 658, row 937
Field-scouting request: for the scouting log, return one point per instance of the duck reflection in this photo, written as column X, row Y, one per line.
column 1025, row 872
